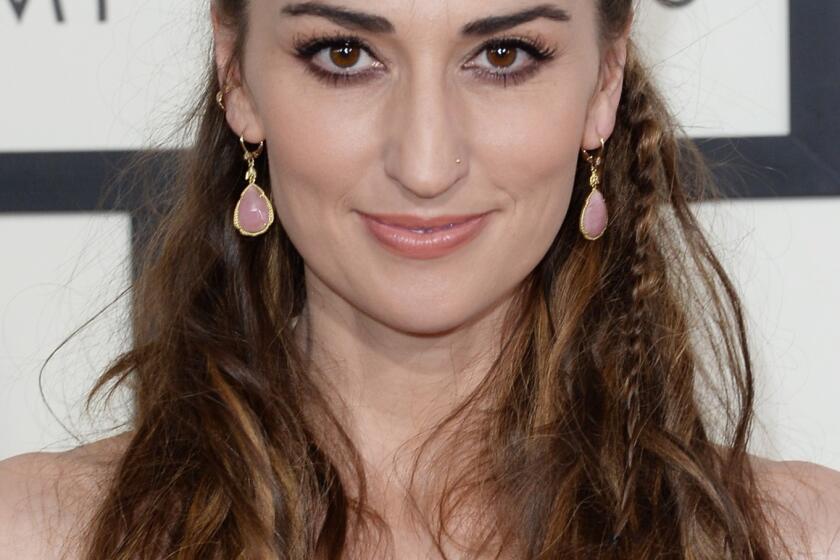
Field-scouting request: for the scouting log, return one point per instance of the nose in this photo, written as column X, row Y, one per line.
column 425, row 139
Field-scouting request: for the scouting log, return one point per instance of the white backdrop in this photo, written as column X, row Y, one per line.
column 84, row 84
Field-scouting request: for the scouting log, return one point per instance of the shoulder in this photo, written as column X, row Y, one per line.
column 803, row 496
column 45, row 498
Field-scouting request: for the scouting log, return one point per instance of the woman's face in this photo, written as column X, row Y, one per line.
column 375, row 126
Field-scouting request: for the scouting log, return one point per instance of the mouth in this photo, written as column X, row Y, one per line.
column 423, row 238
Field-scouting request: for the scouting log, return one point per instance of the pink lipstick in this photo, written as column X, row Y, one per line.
column 424, row 238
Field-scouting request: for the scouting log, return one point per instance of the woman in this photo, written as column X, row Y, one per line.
column 487, row 324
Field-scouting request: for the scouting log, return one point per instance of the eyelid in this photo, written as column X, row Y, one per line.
column 308, row 47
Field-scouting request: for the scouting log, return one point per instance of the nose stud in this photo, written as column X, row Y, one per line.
column 458, row 161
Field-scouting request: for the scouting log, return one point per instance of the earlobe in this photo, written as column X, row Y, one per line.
column 599, row 124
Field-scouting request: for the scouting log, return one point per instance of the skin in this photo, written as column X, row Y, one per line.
column 402, row 340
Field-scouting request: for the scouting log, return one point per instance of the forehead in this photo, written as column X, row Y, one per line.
column 465, row 17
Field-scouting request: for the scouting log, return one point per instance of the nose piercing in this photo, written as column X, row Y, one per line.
column 458, row 161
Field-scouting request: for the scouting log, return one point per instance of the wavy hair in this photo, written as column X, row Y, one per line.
column 613, row 424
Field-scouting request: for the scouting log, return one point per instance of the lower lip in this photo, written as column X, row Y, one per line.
column 416, row 245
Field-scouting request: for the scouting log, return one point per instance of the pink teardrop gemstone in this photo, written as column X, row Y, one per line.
column 253, row 211
column 594, row 219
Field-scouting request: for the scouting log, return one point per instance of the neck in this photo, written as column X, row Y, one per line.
column 388, row 387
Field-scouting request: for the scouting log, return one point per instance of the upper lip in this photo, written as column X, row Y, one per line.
column 411, row 221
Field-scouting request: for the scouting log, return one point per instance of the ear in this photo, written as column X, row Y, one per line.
column 603, row 106
column 240, row 111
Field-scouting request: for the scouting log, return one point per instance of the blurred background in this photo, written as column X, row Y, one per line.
column 87, row 83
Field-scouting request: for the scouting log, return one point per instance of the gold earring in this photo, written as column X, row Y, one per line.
column 253, row 214
column 594, row 216
column 220, row 96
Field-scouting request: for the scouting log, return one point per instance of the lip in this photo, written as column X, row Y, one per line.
column 403, row 241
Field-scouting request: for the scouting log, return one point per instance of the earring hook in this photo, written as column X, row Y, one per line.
column 589, row 157
column 249, row 154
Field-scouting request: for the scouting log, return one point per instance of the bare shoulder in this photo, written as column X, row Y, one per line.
column 46, row 498
column 807, row 497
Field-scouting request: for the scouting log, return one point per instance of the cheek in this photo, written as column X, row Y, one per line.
column 534, row 141
column 312, row 142
column 319, row 151
column 530, row 150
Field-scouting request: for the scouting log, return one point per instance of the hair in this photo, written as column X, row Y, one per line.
column 614, row 421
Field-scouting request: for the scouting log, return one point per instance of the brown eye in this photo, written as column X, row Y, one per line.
column 511, row 59
column 501, row 56
column 345, row 56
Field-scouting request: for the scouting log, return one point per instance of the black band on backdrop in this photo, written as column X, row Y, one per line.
column 807, row 161
column 804, row 163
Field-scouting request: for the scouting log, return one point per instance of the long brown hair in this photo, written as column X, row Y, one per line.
column 620, row 404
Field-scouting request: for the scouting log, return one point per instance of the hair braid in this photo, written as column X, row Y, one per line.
column 639, row 112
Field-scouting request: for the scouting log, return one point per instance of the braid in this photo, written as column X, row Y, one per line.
column 644, row 137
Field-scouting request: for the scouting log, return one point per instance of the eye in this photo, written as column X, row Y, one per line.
column 331, row 58
column 344, row 56
column 511, row 58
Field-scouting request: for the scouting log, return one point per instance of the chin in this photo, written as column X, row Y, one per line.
column 430, row 320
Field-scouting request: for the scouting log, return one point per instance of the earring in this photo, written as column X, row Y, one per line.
column 220, row 96
column 253, row 214
column 593, row 217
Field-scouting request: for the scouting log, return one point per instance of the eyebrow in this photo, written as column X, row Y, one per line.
column 372, row 23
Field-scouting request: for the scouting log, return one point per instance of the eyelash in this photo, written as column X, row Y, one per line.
column 307, row 48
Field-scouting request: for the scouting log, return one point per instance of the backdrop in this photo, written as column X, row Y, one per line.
column 89, row 82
